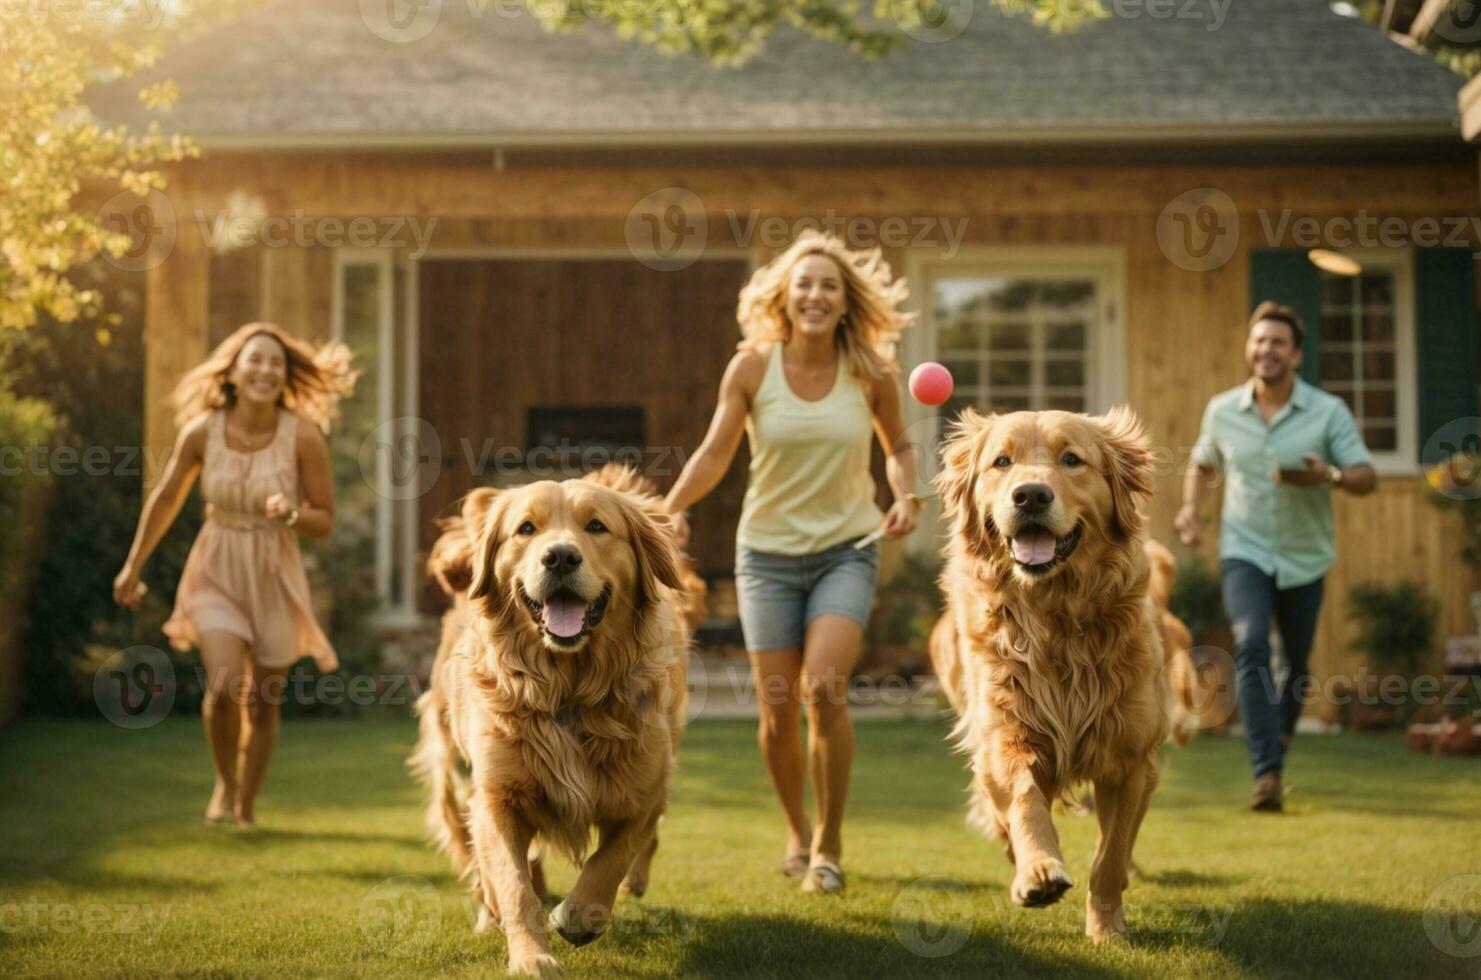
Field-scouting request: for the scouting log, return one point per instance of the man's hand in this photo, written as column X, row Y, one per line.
column 1189, row 525
column 1313, row 475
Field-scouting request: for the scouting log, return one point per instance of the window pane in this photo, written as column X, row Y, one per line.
column 1336, row 290
column 1379, row 404
column 1380, row 437
column 1064, row 373
column 1010, row 336
column 1009, row 371
column 1067, row 403
column 1377, row 289
column 1337, row 325
column 1066, row 336
column 963, row 372
column 1010, row 403
column 1378, row 328
column 1336, row 365
column 1378, row 365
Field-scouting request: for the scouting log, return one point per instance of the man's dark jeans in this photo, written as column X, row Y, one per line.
column 1250, row 600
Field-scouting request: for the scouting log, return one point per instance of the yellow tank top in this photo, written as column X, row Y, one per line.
column 810, row 487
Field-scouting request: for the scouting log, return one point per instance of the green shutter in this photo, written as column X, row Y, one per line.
column 1445, row 290
column 1287, row 276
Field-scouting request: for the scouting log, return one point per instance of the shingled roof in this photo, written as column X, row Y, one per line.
column 315, row 73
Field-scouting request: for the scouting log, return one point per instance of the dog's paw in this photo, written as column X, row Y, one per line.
column 541, row 965
column 1040, row 883
column 1103, row 920
column 577, row 926
column 636, row 883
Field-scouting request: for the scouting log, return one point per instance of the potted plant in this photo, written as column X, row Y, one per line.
column 1395, row 630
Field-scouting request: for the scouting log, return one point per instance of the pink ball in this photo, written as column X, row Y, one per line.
column 931, row 383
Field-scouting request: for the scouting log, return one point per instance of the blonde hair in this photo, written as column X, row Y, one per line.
column 867, row 332
column 318, row 376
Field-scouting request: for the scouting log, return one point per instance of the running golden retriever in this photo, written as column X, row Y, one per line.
column 563, row 690
column 1050, row 650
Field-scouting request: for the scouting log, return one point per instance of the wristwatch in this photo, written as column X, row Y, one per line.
column 1334, row 476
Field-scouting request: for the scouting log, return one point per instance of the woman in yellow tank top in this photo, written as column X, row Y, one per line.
column 814, row 376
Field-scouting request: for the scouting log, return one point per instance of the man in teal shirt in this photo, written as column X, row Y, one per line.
column 1282, row 445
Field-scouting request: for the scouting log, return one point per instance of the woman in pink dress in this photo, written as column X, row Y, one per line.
column 252, row 419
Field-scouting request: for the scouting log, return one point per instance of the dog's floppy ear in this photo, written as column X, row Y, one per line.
column 652, row 539
column 1128, row 467
column 482, row 515
column 959, row 463
column 451, row 559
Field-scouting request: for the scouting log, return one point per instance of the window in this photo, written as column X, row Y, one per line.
column 375, row 478
column 1367, row 354
column 1014, row 344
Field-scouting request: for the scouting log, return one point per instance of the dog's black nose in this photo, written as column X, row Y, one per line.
column 561, row 558
column 1032, row 498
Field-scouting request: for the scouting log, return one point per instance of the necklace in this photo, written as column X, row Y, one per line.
column 252, row 441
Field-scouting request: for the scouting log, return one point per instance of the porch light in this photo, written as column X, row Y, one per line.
column 1334, row 262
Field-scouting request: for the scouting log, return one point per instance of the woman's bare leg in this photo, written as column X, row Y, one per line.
column 780, row 735
column 263, row 716
column 829, row 656
column 224, row 656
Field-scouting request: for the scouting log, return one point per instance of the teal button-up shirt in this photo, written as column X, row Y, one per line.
column 1284, row 531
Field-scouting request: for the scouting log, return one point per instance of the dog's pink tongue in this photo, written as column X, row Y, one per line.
column 1034, row 546
column 565, row 615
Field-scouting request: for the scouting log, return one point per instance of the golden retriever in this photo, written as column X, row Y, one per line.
column 1050, row 649
column 1188, row 693
column 564, row 694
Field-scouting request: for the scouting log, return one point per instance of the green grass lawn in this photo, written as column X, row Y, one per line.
column 105, row 869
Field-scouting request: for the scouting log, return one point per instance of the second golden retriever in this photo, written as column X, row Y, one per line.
column 564, row 694
column 1050, row 650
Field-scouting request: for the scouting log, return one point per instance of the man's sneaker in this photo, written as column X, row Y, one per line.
column 1266, row 795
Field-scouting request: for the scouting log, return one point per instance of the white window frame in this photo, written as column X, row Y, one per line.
column 1105, row 346
column 1403, row 460
column 397, row 606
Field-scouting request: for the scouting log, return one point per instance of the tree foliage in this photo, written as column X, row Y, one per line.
column 730, row 32
column 50, row 149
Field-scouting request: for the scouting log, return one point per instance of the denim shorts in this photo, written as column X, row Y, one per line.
column 779, row 595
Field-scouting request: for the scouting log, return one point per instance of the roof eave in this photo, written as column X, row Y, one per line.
column 1296, row 134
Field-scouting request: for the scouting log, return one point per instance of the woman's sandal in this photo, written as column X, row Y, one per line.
column 825, row 877
column 795, row 863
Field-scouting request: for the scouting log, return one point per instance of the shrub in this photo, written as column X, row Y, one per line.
column 1396, row 624
column 1197, row 598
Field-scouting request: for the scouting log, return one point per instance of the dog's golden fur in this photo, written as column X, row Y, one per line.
column 1053, row 664
column 1187, row 697
column 561, row 735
